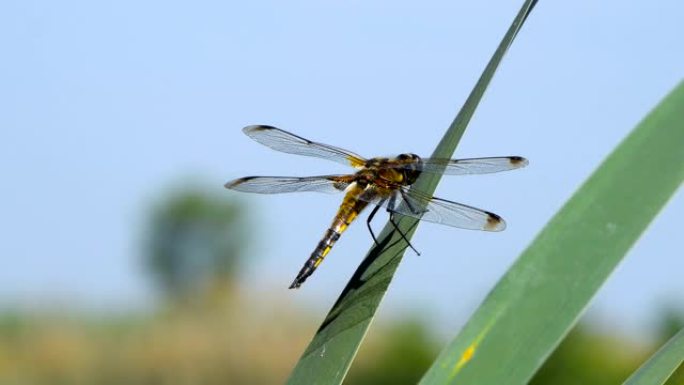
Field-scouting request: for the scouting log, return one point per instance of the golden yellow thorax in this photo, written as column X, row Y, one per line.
column 391, row 175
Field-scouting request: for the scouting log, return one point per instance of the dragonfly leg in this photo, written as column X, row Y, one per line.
column 403, row 236
column 368, row 222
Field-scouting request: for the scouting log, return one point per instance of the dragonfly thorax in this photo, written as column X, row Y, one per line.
column 402, row 170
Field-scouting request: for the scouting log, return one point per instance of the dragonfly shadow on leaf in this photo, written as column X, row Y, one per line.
column 368, row 281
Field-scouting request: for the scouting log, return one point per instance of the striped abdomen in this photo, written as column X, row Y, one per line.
column 348, row 211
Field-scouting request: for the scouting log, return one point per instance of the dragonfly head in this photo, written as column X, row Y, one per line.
column 411, row 166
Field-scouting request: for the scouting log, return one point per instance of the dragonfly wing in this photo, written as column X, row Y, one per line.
column 281, row 140
column 473, row 165
column 445, row 212
column 286, row 184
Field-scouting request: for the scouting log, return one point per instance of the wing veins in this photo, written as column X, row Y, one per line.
column 287, row 184
column 284, row 141
column 468, row 166
column 442, row 211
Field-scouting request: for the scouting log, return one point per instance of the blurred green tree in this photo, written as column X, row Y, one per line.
column 585, row 357
column 671, row 322
column 195, row 240
column 405, row 354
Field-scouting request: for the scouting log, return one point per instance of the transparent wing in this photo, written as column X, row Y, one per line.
column 286, row 184
column 473, row 165
column 442, row 211
column 284, row 141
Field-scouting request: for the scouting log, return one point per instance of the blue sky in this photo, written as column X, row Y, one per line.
column 105, row 106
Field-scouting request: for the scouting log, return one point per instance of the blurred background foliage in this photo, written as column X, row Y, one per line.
column 195, row 240
column 204, row 333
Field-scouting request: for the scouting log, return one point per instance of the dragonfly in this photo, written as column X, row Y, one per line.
column 379, row 182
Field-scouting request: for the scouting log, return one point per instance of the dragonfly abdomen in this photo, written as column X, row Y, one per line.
column 348, row 211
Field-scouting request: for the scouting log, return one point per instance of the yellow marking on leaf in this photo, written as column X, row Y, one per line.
column 466, row 356
column 469, row 352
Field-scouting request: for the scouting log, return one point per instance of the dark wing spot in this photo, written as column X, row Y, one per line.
column 518, row 161
column 236, row 182
column 494, row 222
column 257, row 127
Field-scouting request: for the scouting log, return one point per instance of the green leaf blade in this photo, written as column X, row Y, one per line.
column 541, row 296
column 662, row 364
column 329, row 355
